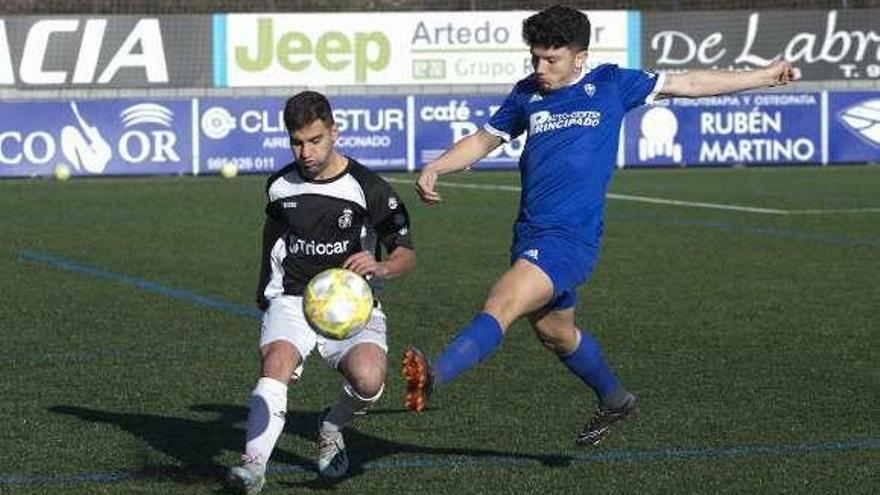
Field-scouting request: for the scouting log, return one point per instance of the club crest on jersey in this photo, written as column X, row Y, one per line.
column 590, row 89
column 392, row 203
column 346, row 218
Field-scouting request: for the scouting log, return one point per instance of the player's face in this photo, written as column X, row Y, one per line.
column 557, row 67
column 313, row 147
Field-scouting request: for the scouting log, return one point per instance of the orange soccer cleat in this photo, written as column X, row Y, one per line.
column 419, row 379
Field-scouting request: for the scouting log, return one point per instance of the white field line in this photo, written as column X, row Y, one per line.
column 696, row 204
column 662, row 201
column 834, row 211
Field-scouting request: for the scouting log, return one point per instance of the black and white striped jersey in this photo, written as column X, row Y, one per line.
column 323, row 222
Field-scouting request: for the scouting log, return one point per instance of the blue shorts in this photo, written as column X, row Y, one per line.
column 567, row 263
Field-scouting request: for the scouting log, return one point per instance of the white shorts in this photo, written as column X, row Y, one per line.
column 284, row 320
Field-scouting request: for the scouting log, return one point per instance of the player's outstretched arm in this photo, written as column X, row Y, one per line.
column 459, row 157
column 717, row 82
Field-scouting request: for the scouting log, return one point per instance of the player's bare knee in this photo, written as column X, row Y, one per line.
column 367, row 381
column 367, row 385
column 364, row 367
column 280, row 359
column 278, row 370
column 494, row 302
column 558, row 340
column 550, row 342
column 501, row 308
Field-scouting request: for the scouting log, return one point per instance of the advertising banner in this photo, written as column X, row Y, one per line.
column 740, row 129
column 854, row 127
column 105, row 51
column 476, row 47
column 823, row 45
column 440, row 121
column 116, row 137
column 373, row 130
column 201, row 136
column 249, row 133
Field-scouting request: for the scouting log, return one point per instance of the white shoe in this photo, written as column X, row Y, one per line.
column 332, row 457
column 247, row 479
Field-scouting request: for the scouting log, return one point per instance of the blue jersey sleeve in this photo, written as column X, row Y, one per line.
column 638, row 87
column 509, row 120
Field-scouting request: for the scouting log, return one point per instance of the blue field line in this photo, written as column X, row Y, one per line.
column 140, row 283
column 464, row 461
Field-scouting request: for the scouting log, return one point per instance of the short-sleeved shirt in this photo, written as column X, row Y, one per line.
column 326, row 221
column 571, row 147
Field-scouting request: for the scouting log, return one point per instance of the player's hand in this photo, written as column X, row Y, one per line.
column 780, row 73
column 425, row 185
column 364, row 264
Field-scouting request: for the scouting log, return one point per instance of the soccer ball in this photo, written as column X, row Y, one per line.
column 337, row 303
column 228, row 170
column 62, row 172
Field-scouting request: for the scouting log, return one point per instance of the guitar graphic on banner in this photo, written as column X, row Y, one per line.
column 85, row 147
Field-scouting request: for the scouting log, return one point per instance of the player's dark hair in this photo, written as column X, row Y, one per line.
column 556, row 27
column 304, row 108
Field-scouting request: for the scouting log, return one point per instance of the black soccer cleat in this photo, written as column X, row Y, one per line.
column 600, row 424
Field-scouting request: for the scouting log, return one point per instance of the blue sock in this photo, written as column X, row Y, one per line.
column 473, row 343
column 588, row 363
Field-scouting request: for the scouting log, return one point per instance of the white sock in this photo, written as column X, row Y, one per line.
column 348, row 406
column 268, row 408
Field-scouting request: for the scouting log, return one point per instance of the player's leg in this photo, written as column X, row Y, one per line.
column 522, row 289
column 578, row 350
column 364, row 368
column 555, row 327
column 362, row 360
column 285, row 340
column 268, row 402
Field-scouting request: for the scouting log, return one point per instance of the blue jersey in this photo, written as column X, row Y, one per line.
column 571, row 147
